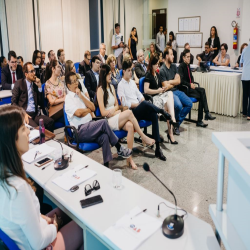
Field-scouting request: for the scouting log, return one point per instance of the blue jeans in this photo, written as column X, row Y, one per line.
column 182, row 105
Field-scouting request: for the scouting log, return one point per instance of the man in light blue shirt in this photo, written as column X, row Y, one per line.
column 245, row 59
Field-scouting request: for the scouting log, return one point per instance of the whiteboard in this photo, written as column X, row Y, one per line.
column 194, row 39
column 186, row 24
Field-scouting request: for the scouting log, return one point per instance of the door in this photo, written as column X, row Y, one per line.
column 159, row 17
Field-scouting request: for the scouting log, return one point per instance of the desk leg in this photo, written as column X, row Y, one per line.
column 220, row 182
column 218, row 237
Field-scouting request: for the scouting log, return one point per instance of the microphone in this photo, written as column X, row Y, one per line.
column 173, row 225
column 64, row 163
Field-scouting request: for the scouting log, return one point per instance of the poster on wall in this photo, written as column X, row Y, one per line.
column 238, row 13
column 187, row 24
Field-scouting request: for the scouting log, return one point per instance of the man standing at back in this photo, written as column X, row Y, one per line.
column 160, row 40
column 170, row 80
column 117, row 41
column 11, row 72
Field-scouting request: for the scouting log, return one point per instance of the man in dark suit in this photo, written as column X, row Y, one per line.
column 11, row 72
column 140, row 66
column 27, row 94
column 205, row 56
column 199, row 93
column 122, row 54
column 102, row 54
column 186, row 46
column 92, row 77
column 84, row 66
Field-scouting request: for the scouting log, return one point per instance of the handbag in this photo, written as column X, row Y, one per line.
column 56, row 112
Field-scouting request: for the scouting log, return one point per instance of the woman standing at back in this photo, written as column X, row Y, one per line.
column 214, row 42
column 20, row 210
column 132, row 42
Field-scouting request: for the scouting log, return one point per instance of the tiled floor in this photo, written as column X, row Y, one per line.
column 191, row 167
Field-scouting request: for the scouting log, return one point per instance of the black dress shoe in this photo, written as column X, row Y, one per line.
column 160, row 155
column 176, row 131
column 201, row 124
column 209, row 117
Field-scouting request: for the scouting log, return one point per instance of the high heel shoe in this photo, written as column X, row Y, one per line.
column 175, row 124
column 172, row 142
column 147, row 144
column 129, row 165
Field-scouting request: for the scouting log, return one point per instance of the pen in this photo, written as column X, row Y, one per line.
column 81, row 168
column 36, row 154
column 143, row 211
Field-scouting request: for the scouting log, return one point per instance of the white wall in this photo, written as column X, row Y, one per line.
column 219, row 13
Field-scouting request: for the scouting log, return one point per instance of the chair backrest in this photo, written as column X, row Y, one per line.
column 141, row 84
column 77, row 66
column 121, row 72
column 45, row 100
column 8, row 241
column 67, row 122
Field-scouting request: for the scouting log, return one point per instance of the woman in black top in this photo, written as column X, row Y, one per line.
column 214, row 42
column 132, row 42
column 161, row 98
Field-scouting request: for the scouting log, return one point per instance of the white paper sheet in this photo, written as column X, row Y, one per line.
column 128, row 234
column 181, row 26
column 73, row 177
column 42, row 150
column 34, row 133
column 186, row 24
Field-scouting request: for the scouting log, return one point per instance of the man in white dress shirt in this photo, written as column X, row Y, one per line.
column 102, row 54
column 131, row 97
column 79, row 112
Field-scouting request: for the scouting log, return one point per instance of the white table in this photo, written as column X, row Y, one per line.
column 5, row 97
column 232, row 220
column 224, row 91
column 225, row 69
column 95, row 220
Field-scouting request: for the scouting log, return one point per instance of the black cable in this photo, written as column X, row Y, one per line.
column 173, row 208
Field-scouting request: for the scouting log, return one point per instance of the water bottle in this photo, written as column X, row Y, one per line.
column 41, row 131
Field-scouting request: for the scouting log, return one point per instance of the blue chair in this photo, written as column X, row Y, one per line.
column 119, row 133
column 8, row 241
column 72, row 138
column 121, row 72
column 60, row 122
column 77, row 66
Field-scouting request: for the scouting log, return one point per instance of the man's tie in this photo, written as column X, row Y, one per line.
column 14, row 77
column 144, row 67
column 189, row 75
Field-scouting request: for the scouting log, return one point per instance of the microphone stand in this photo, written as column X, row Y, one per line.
column 65, row 162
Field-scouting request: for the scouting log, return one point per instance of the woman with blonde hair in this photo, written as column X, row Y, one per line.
column 151, row 52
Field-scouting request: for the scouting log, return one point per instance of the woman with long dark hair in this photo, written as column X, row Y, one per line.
column 172, row 40
column 161, row 98
column 36, row 61
column 132, row 42
column 108, row 104
column 20, row 210
column 214, row 42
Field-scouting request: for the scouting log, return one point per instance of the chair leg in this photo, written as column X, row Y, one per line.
column 189, row 118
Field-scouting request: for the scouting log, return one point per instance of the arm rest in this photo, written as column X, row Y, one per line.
column 70, row 139
column 184, row 89
column 148, row 98
column 197, row 84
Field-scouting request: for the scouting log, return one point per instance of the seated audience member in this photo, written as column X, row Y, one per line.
column 54, row 87
column 84, row 65
column 51, row 56
column 161, row 61
column 117, row 41
column 160, row 40
column 131, row 97
column 11, row 72
column 70, row 67
column 222, row 59
column 122, row 54
column 78, row 109
column 3, row 63
column 36, row 60
column 186, row 46
column 43, row 63
column 20, row 61
column 170, row 81
column 128, row 57
column 102, row 54
column 27, row 94
column 193, row 91
column 92, row 77
column 140, row 66
column 205, row 56
column 20, row 217
column 151, row 52
column 243, row 46
column 169, row 46
column 109, row 108
column 161, row 98
column 61, row 61
column 115, row 73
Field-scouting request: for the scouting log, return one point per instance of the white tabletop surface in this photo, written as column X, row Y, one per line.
column 5, row 93
column 221, row 73
column 233, row 146
column 197, row 233
column 227, row 69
